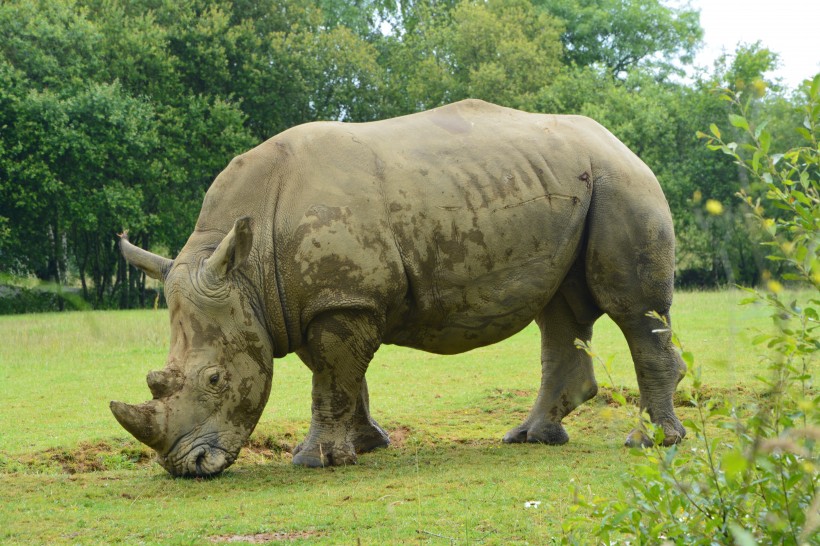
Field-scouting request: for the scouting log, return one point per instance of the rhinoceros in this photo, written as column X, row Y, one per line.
column 445, row 231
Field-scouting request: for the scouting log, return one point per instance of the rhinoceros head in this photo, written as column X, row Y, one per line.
column 217, row 377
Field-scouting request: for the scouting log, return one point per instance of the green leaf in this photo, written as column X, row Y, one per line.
column 761, row 338
column 742, row 536
column 733, row 463
column 801, row 197
column 760, row 128
column 715, row 130
column 793, row 277
column 738, row 121
column 756, row 160
column 765, row 141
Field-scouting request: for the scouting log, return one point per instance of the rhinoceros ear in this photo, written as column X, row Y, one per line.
column 233, row 251
column 152, row 265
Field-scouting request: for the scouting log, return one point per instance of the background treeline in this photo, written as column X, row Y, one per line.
column 118, row 113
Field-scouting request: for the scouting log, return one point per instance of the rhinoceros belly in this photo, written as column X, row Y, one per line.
column 475, row 287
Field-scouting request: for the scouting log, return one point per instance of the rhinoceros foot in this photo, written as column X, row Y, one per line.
column 543, row 432
column 369, row 437
column 673, row 434
column 316, row 454
column 313, row 454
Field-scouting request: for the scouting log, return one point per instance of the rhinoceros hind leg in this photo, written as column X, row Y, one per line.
column 567, row 378
column 659, row 370
column 338, row 349
column 630, row 272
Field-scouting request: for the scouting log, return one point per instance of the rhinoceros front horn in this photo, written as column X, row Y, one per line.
column 144, row 421
column 154, row 266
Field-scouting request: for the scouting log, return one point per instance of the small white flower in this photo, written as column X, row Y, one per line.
column 532, row 504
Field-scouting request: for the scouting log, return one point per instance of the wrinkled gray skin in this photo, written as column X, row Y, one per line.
column 445, row 231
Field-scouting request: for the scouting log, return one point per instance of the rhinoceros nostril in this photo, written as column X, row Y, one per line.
column 199, row 459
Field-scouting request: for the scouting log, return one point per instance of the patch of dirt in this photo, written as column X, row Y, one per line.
column 87, row 457
column 267, row 446
column 264, row 448
column 682, row 398
column 513, row 393
column 399, row 435
column 476, row 442
column 264, row 538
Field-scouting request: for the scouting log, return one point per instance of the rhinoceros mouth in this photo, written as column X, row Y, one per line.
column 202, row 461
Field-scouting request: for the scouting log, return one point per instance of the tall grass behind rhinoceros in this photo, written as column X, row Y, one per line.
column 444, row 231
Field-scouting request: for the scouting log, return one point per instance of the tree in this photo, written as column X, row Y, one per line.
column 502, row 51
column 620, row 35
column 120, row 114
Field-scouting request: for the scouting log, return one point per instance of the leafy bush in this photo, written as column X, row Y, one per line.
column 16, row 300
column 751, row 473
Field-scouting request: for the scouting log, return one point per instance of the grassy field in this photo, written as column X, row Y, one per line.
column 70, row 474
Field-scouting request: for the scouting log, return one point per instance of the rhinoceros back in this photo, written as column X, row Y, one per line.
column 484, row 207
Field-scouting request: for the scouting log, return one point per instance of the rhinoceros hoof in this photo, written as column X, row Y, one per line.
column 370, row 438
column 319, row 456
column 638, row 438
column 673, row 434
column 543, row 433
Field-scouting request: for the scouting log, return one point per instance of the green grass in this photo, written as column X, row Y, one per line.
column 70, row 474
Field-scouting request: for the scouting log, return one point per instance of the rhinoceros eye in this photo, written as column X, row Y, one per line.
column 214, row 379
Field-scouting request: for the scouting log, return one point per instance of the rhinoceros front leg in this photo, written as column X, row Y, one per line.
column 338, row 350
column 367, row 434
column 567, row 378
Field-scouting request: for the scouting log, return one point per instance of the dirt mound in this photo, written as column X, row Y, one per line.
column 85, row 457
column 264, row 538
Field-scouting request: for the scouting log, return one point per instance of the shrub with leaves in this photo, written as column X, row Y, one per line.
column 749, row 473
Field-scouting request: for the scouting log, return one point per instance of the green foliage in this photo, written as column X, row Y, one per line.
column 15, row 300
column 503, row 51
column 620, row 36
column 752, row 475
column 119, row 114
